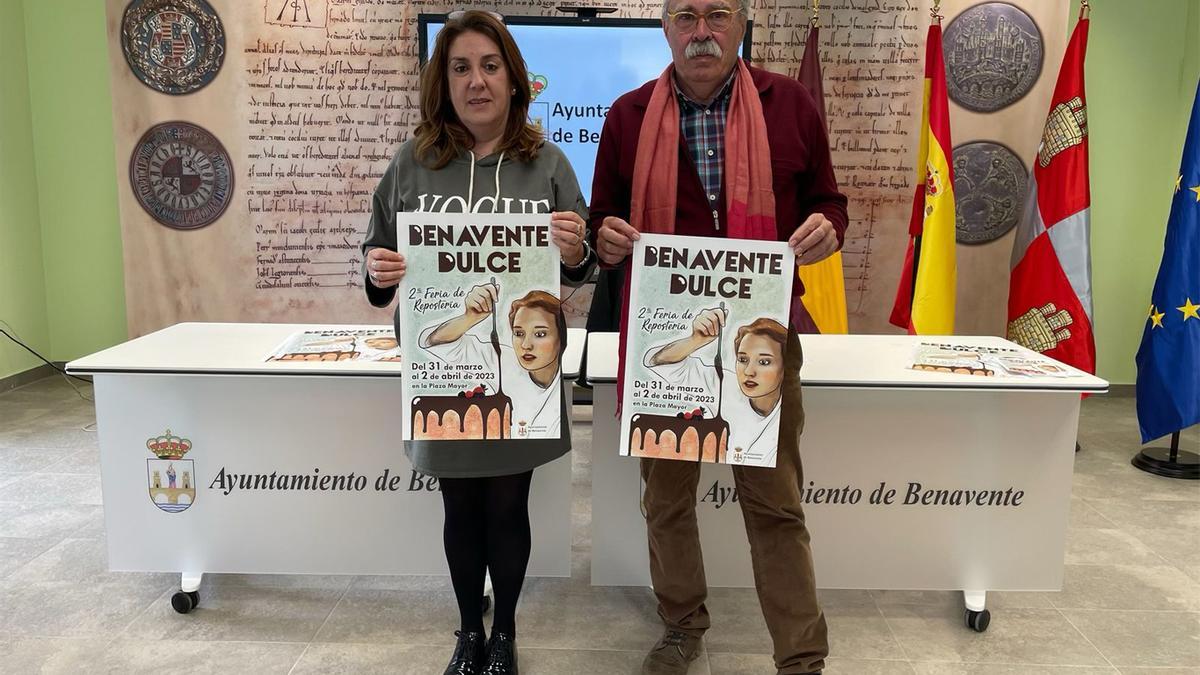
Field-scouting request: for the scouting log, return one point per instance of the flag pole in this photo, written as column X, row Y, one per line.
column 1169, row 462
column 1085, row 11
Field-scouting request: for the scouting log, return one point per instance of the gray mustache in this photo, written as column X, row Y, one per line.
column 705, row 48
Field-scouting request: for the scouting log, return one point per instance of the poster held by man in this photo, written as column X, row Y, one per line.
column 479, row 306
column 705, row 355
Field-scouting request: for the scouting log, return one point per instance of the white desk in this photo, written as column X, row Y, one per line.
column 340, row 421
column 870, row 420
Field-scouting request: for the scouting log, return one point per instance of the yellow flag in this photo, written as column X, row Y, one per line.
column 825, row 295
column 824, row 285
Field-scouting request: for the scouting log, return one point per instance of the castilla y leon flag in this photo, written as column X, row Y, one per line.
column 925, row 297
column 1050, row 291
column 824, row 282
column 1168, row 361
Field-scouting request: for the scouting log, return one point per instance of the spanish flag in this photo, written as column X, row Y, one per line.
column 925, row 297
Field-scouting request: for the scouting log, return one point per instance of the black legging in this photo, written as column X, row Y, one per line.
column 487, row 529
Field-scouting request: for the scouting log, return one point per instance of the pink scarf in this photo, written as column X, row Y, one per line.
column 749, row 198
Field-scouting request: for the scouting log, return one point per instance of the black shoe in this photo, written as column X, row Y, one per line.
column 502, row 655
column 469, row 654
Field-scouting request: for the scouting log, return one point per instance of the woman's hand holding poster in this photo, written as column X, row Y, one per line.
column 704, row 356
column 479, row 308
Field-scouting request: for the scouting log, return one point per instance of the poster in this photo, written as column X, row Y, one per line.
column 984, row 361
column 704, row 358
column 360, row 344
column 482, row 324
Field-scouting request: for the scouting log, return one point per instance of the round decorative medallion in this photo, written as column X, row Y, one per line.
column 173, row 46
column 990, row 184
column 993, row 55
column 181, row 175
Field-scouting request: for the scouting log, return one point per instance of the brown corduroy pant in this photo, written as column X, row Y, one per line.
column 779, row 540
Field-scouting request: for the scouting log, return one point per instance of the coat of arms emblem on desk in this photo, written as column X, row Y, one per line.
column 171, row 478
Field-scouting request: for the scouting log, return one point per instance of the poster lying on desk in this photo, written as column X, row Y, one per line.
column 985, row 361
column 482, row 327
column 704, row 360
column 359, row 344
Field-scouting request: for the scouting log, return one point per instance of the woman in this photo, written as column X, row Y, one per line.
column 530, row 370
column 753, row 405
column 475, row 151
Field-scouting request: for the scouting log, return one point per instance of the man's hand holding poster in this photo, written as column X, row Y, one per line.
column 480, row 309
column 707, row 328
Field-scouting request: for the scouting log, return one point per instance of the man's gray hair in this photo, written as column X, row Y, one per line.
column 743, row 5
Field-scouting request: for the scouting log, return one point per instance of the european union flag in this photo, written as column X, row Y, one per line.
column 1168, row 362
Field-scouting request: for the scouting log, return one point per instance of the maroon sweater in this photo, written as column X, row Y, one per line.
column 803, row 174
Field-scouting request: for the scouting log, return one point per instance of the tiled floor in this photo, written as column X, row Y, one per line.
column 1130, row 604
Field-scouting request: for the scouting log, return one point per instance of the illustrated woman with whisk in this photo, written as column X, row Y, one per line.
column 527, row 365
column 749, row 399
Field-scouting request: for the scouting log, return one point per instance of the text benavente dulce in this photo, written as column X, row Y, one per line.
column 474, row 236
column 733, row 263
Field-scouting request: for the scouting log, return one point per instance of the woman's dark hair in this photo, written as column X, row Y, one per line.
column 440, row 135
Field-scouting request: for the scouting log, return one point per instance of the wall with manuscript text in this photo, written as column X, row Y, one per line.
column 245, row 197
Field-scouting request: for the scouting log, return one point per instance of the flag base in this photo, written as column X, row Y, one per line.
column 1158, row 461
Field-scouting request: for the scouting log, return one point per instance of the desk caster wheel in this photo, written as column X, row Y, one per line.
column 978, row 621
column 185, row 601
column 486, row 603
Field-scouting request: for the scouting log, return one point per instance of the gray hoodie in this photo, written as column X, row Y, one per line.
column 492, row 184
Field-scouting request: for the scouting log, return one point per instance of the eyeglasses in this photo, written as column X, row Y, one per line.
column 718, row 20
column 460, row 13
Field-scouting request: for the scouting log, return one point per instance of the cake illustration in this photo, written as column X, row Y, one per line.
column 472, row 415
column 960, row 369
column 317, row 356
column 688, row 436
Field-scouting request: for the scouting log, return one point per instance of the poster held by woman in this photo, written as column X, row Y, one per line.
column 479, row 305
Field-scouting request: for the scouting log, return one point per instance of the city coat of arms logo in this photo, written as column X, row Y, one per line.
column 538, row 112
column 537, row 84
column 171, row 478
column 173, row 46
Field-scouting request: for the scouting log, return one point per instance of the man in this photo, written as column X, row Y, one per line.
column 710, row 174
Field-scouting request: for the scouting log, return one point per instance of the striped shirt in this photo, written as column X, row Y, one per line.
column 703, row 128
